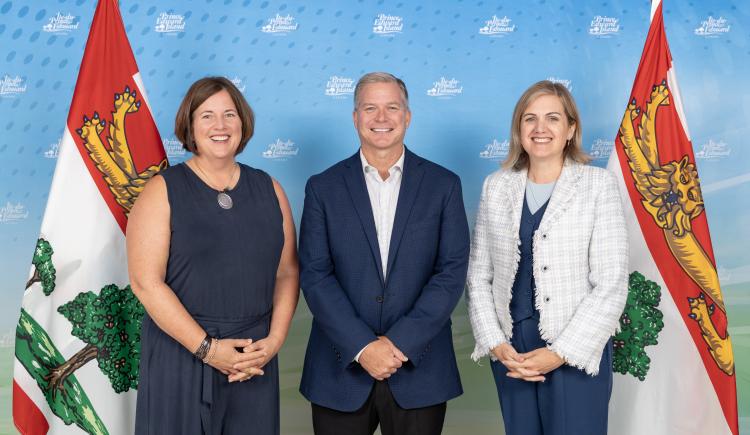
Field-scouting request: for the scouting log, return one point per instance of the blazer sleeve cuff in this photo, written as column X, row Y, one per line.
column 485, row 347
column 586, row 363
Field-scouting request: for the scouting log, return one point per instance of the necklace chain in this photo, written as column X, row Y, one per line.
column 208, row 179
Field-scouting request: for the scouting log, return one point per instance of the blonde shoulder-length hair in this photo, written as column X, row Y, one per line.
column 517, row 157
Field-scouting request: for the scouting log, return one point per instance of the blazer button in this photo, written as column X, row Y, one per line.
column 379, row 299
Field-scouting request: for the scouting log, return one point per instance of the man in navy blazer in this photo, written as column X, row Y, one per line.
column 384, row 246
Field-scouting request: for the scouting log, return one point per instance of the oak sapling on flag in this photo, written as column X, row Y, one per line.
column 78, row 309
column 673, row 350
column 44, row 269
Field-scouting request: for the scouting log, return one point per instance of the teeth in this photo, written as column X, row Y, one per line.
column 541, row 139
column 219, row 137
column 381, row 130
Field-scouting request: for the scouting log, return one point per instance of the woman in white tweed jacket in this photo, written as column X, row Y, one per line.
column 547, row 279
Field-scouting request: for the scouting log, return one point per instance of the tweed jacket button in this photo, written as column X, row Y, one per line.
column 379, row 299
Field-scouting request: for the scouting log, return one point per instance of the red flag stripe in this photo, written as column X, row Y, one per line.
column 28, row 419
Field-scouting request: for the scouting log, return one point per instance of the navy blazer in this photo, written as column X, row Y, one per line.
column 342, row 280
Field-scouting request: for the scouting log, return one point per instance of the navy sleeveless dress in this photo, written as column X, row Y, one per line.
column 222, row 266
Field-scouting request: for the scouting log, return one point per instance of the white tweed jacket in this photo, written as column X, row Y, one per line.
column 580, row 263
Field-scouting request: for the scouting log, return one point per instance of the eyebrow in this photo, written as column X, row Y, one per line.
column 548, row 113
column 211, row 111
column 392, row 103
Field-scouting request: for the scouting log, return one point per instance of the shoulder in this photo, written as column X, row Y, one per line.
column 437, row 173
column 254, row 172
column 171, row 172
column 499, row 179
column 597, row 178
column 330, row 177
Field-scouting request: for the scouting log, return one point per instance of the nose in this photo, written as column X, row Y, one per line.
column 380, row 115
column 539, row 126
column 220, row 122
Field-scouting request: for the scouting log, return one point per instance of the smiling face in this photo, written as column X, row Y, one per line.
column 545, row 129
column 381, row 117
column 217, row 128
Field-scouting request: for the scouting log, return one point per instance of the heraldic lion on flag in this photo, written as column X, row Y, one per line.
column 116, row 163
column 672, row 196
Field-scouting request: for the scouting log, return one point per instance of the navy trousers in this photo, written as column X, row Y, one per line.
column 568, row 402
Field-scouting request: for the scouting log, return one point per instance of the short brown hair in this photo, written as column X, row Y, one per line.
column 198, row 93
column 380, row 77
column 517, row 157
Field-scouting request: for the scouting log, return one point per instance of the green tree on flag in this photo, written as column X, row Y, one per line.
column 44, row 270
column 110, row 324
column 640, row 325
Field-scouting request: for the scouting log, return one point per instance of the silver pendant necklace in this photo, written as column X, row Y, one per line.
column 225, row 201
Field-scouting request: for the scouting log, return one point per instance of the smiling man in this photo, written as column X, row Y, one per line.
column 384, row 246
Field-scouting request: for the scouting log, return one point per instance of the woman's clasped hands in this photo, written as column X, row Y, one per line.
column 529, row 366
column 241, row 359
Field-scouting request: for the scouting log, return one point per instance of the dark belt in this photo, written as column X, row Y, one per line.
column 218, row 327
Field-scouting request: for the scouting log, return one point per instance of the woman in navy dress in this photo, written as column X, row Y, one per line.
column 547, row 278
column 212, row 257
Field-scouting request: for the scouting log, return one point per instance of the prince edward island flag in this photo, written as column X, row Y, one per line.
column 78, row 337
column 673, row 354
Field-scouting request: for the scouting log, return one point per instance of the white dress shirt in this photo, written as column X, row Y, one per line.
column 383, row 200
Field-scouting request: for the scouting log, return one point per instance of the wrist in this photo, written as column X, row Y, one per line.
column 214, row 347
column 276, row 341
column 202, row 350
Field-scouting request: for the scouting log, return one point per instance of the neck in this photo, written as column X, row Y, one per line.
column 217, row 166
column 382, row 160
column 219, row 174
column 544, row 171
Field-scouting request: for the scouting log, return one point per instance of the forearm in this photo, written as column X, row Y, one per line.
column 285, row 298
column 166, row 310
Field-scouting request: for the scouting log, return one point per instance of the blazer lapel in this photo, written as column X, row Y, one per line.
column 516, row 193
column 564, row 191
column 355, row 183
column 407, row 195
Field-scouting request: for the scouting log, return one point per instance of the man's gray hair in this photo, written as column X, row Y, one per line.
column 380, row 77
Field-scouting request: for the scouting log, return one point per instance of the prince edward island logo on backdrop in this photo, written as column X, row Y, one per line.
column 713, row 27
column 387, row 25
column 61, row 24
column 169, row 23
column 604, row 27
column 281, row 150
column 565, row 82
column 496, row 27
column 280, row 25
column 173, row 147
column 238, row 83
column 601, row 149
column 12, row 86
column 339, row 87
column 13, row 212
column 54, row 149
column 445, row 88
column 713, row 150
column 495, row 150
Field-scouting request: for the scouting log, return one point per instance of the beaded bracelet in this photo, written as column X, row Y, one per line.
column 202, row 350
